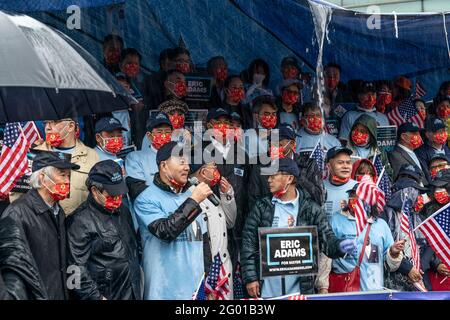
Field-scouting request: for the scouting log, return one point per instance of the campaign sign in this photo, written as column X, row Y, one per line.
column 342, row 108
column 198, row 87
column 386, row 137
column 23, row 184
column 332, row 126
column 288, row 251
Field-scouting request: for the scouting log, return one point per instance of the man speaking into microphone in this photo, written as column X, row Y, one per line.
column 219, row 215
column 171, row 228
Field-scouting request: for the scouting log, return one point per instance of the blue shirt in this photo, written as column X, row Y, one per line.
column 172, row 270
column 348, row 120
column 361, row 152
column 307, row 142
column 335, row 194
column 372, row 277
column 285, row 216
column 142, row 165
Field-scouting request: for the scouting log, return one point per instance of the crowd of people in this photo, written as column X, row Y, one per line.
column 148, row 223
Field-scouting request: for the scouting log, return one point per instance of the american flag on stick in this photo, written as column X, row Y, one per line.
column 405, row 112
column 13, row 160
column 406, row 227
column 420, row 90
column 217, row 281
column 30, row 131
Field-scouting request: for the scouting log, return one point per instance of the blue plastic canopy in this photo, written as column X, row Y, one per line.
column 49, row 5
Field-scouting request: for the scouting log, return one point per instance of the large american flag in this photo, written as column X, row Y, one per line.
column 384, row 182
column 406, row 227
column 360, row 217
column 217, row 280
column 437, row 231
column 405, row 112
column 31, row 132
column 420, row 90
column 319, row 156
column 369, row 193
column 13, row 160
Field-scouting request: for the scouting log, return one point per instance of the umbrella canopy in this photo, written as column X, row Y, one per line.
column 45, row 75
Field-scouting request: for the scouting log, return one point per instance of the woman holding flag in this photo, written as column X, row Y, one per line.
column 362, row 270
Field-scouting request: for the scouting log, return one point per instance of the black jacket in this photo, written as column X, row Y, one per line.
column 425, row 153
column 19, row 276
column 105, row 247
column 261, row 215
column 244, row 111
column 46, row 236
column 399, row 157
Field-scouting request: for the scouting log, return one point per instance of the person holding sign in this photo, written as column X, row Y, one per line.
column 367, row 98
column 312, row 131
column 287, row 206
column 408, row 140
column 435, row 143
column 370, row 256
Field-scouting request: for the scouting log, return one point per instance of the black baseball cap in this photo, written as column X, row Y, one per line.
column 434, row 124
column 333, row 152
column 165, row 152
column 410, row 170
column 290, row 61
column 216, row 113
column 160, row 119
column 108, row 124
column 407, row 127
column 109, row 174
column 288, row 165
column 367, row 87
column 285, row 131
column 52, row 159
column 440, row 156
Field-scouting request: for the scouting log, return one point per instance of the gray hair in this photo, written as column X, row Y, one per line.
column 35, row 183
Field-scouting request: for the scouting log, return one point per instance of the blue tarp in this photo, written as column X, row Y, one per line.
column 242, row 30
column 49, row 5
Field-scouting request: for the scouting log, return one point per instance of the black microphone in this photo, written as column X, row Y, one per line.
column 212, row 197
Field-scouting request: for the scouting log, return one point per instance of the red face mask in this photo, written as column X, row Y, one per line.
column 292, row 72
column 276, row 152
column 177, row 121
column 440, row 137
column 331, row 83
column 183, row 67
column 236, row 94
column 113, row 145
column 338, row 180
column 112, row 57
column 415, row 141
column 369, row 102
column 269, row 122
column 221, row 74
column 419, row 203
column 131, row 70
column 112, row 203
column 443, row 112
column 385, row 97
column 60, row 190
column 220, row 130
column 289, row 98
column 54, row 139
column 161, row 139
column 215, row 179
column 281, row 192
column 442, row 197
column 314, row 123
column 359, row 138
column 179, row 89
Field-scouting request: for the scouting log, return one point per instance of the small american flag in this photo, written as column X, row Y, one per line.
column 319, row 156
column 437, row 231
column 405, row 226
column 420, row 90
column 238, row 288
column 30, row 131
column 360, row 217
column 217, row 280
column 13, row 160
column 384, row 182
column 200, row 294
column 368, row 192
column 405, row 112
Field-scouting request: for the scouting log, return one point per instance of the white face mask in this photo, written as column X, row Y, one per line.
column 258, row 78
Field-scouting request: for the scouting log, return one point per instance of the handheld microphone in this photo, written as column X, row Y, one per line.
column 212, row 197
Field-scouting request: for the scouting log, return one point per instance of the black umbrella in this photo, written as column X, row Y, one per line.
column 45, row 75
